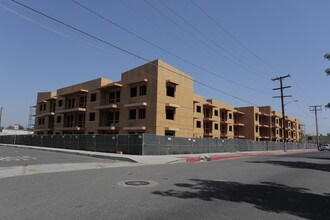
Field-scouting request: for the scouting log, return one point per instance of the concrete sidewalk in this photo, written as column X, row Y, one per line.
column 163, row 159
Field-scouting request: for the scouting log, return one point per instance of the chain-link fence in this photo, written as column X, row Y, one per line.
column 148, row 144
column 163, row 145
column 127, row 144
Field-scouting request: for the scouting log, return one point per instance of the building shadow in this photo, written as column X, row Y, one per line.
column 297, row 164
column 266, row 196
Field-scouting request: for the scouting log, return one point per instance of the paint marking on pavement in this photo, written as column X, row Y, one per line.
column 8, row 159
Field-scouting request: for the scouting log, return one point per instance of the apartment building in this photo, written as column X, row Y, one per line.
column 154, row 98
column 261, row 123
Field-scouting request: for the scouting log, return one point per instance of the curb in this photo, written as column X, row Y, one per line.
column 67, row 151
column 205, row 158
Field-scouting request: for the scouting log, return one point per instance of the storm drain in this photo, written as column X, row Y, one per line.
column 137, row 183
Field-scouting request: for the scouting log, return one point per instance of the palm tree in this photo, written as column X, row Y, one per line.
column 327, row 56
column 327, row 71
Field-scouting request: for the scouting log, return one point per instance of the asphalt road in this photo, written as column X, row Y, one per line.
column 294, row 186
column 12, row 156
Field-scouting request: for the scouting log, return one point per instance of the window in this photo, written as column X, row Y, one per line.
column 230, row 115
column 223, row 128
column 92, row 116
column 60, row 103
column 169, row 133
column 223, row 115
column 170, row 89
column 216, row 113
column 81, row 120
column 230, row 128
column 256, row 117
column 53, row 106
column 170, row 113
column 134, row 92
column 40, row 107
column 93, row 97
column 58, row 119
column 113, row 117
column 143, row 90
column 82, row 101
column 276, row 131
column 198, row 124
column 43, row 121
column 114, row 97
column 257, row 129
column 69, row 121
column 70, row 103
column 142, row 113
column 198, row 108
column 44, row 106
column 216, row 126
column 132, row 114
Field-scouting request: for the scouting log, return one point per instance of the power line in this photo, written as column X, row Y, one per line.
column 126, row 51
column 244, row 46
column 164, row 50
column 233, row 37
column 197, row 39
column 209, row 39
column 85, row 43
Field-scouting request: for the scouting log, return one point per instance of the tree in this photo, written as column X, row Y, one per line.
column 327, row 71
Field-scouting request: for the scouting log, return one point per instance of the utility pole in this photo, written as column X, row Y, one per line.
column 316, row 109
column 282, row 103
column 0, row 119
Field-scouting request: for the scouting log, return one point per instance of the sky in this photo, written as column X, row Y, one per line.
column 232, row 49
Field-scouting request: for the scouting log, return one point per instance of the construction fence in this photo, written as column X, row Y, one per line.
column 148, row 144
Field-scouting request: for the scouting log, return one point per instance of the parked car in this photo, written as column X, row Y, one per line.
column 323, row 147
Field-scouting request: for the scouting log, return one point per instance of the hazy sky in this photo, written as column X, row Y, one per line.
column 234, row 46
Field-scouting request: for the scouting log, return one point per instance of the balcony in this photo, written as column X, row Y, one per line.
column 140, row 128
column 210, row 118
column 108, row 106
column 239, row 124
column 237, row 135
column 77, row 109
column 223, row 135
column 137, row 104
column 111, row 85
column 72, row 92
column 76, row 128
column 109, row 128
column 45, row 114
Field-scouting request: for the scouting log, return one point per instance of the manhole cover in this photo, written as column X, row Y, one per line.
column 137, row 183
